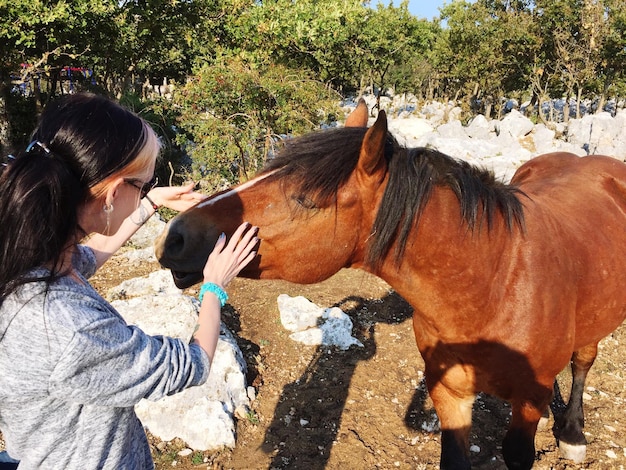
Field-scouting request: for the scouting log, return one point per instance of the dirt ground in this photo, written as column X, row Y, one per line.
column 367, row 408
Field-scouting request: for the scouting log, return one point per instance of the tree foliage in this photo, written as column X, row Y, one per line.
column 280, row 57
column 390, row 42
column 233, row 115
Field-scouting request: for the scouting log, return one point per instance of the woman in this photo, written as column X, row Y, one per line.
column 71, row 369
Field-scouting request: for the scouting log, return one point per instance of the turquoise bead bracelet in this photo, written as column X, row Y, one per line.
column 221, row 295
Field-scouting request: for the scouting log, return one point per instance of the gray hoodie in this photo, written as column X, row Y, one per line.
column 71, row 371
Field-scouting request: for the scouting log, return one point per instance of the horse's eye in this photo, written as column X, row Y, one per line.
column 305, row 202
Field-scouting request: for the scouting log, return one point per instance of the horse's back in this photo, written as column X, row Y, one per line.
column 576, row 212
column 562, row 168
column 566, row 181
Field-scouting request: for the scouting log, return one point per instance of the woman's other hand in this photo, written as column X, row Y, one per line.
column 178, row 198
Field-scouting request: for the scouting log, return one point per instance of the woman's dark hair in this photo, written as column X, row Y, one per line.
column 81, row 140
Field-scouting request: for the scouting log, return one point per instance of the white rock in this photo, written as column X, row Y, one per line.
column 145, row 236
column 157, row 282
column 313, row 325
column 298, row 313
column 515, row 124
column 170, row 315
column 479, row 128
column 579, row 131
column 605, row 130
column 411, row 131
column 203, row 416
column 451, row 130
column 543, row 139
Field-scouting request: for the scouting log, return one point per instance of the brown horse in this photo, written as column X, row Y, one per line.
column 509, row 282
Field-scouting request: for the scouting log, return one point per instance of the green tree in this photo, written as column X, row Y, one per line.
column 389, row 47
column 37, row 39
column 314, row 35
column 556, row 21
column 233, row 114
column 156, row 40
column 612, row 64
column 126, row 44
column 486, row 49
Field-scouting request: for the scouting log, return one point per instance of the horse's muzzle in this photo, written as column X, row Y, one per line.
column 185, row 280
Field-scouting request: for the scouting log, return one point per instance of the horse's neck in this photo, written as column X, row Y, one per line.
column 447, row 268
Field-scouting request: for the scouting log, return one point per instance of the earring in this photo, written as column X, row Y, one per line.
column 108, row 210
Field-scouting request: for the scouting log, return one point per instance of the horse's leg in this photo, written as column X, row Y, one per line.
column 518, row 447
column 545, row 418
column 455, row 416
column 568, row 429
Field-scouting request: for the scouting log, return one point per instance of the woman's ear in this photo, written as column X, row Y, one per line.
column 113, row 190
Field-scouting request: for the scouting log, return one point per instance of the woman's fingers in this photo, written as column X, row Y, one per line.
column 237, row 235
column 244, row 246
column 247, row 252
column 247, row 242
column 228, row 259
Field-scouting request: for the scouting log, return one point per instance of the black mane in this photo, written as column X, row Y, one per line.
column 322, row 162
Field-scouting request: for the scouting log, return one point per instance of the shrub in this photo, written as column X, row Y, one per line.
column 233, row 115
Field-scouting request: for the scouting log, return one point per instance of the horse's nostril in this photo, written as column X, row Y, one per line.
column 175, row 244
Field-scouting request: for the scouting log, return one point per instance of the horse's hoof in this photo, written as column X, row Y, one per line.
column 575, row 452
column 543, row 423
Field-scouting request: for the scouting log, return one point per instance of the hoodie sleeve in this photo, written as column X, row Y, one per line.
column 110, row 363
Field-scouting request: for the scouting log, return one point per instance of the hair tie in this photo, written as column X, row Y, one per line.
column 38, row 144
column 9, row 159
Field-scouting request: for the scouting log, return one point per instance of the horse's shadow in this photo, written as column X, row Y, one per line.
column 308, row 415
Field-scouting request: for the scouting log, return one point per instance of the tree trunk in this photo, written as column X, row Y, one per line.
column 430, row 93
column 552, row 111
column 488, row 106
column 608, row 81
column 542, row 118
column 601, row 101
column 361, row 85
column 36, row 81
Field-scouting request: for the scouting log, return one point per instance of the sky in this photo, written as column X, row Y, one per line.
column 426, row 9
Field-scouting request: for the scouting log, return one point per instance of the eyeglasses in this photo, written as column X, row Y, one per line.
column 143, row 187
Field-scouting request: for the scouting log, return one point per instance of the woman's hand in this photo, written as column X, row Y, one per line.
column 223, row 264
column 227, row 260
column 178, row 198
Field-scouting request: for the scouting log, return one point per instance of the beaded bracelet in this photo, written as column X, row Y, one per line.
column 152, row 203
column 221, row 295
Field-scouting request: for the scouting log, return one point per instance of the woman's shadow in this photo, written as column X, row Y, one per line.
column 308, row 415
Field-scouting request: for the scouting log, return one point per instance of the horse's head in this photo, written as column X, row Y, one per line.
column 314, row 205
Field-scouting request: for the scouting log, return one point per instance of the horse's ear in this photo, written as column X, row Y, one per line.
column 372, row 156
column 358, row 117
